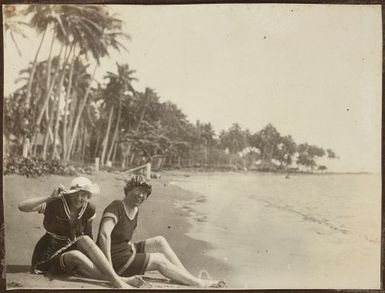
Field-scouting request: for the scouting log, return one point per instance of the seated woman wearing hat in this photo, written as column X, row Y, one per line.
column 117, row 226
column 67, row 247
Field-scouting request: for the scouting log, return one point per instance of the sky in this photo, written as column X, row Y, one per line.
column 313, row 71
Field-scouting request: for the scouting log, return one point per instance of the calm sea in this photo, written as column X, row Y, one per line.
column 306, row 231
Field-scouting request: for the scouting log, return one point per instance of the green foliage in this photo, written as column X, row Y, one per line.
column 116, row 122
column 35, row 167
column 331, row 154
column 17, row 120
column 322, row 168
column 234, row 139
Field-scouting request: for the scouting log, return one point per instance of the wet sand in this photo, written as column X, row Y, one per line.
column 306, row 232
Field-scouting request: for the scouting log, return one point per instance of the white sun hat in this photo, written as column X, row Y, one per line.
column 83, row 183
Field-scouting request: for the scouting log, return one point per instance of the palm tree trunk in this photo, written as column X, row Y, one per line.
column 33, row 70
column 142, row 114
column 132, row 157
column 84, row 102
column 84, row 144
column 115, row 150
column 55, row 153
column 105, row 141
column 115, row 132
column 33, row 143
column 137, row 128
column 78, row 142
column 162, row 160
column 40, row 116
column 49, row 63
column 97, row 146
column 48, row 133
column 30, row 80
column 125, row 154
column 64, row 132
column 71, row 117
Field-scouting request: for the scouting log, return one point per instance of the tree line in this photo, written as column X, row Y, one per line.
column 63, row 113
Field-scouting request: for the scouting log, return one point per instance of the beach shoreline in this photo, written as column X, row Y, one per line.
column 163, row 214
column 232, row 225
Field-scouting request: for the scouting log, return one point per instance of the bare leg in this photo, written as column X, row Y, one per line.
column 78, row 263
column 96, row 256
column 160, row 263
column 160, row 245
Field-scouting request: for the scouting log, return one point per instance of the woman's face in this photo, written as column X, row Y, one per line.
column 79, row 198
column 136, row 196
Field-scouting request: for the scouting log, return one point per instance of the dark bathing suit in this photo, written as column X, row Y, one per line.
column 128, row 258
column 61, row 235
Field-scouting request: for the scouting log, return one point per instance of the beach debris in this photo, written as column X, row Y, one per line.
column 155, row 175
column 71, row 171
column 14, row 285
column 204, row 274
column 201, row 199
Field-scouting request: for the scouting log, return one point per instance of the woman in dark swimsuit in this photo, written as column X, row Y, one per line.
column 117, row 226
column 67, row 247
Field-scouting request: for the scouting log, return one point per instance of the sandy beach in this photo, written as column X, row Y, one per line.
column 253, row 230
column 304, row 232
column 160, row 215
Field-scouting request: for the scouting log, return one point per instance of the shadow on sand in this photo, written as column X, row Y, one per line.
column 25, row 269
column 14, row 269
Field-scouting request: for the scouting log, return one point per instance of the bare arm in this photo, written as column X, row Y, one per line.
column 106, row 226
column 88, row 230
column 34, row 204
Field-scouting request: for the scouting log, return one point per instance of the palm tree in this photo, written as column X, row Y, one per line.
column 66, row 104
column 270, row 138
column 87, row 30
column 97, row 33
column 119, row 90
column 144, row 102
column 234, row 139
column 76, row 85
column 12, row 25
column 43, row 18
column 55, row 154
column 40, row 22
column 286, row 149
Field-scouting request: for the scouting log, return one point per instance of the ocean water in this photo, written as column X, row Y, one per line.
column 306, row 231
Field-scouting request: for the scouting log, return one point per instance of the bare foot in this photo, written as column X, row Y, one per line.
column 135, row 281
column 203, row 274
column 218, row 284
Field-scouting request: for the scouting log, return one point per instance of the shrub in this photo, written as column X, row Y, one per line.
column 35, row 167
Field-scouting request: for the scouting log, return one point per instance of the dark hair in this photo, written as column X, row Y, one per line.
column 138, row 181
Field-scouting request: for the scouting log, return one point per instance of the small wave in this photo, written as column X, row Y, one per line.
column 307, row 217
column 313, row 219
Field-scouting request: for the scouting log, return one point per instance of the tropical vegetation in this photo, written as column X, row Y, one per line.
column 60, row 113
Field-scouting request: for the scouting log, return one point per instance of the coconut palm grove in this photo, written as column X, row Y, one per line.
column 60, row 117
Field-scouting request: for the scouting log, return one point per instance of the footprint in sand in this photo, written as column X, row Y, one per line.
column 201, row 199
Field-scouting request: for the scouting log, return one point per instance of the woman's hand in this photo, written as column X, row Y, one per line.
column 58, row 192
column 35, row 204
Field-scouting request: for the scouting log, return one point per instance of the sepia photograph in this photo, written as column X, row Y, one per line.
column 195, row 146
